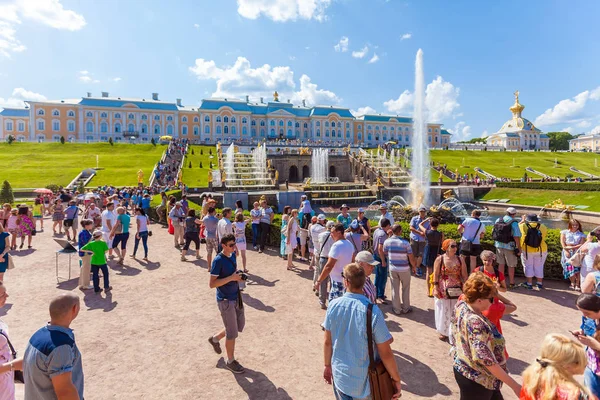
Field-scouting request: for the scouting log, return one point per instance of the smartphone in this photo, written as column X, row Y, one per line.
column 576, row 334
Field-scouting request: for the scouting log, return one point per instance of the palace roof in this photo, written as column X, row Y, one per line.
column 15, row 112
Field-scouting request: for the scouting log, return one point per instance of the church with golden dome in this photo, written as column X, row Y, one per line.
column 519, row 133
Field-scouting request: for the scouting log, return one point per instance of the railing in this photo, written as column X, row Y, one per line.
column 131, row 134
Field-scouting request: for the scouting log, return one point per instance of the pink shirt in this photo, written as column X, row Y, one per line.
column 12, row 222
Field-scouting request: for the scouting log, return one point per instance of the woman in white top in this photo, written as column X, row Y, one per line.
column 141, row 221
column 255, row 214
column 7, row 364
column 290, row 237
column 239, row 231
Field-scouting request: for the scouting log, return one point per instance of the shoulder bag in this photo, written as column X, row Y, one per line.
column 452, row 292
column 382, row 386
column 11, row 262
column 17, row 374
column 323, row 245
column 577, row 259
column 466, row 244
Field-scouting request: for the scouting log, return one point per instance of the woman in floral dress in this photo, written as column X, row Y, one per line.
column 571, row 240
column 449, row 273
column 26, row 225
column 58, row 215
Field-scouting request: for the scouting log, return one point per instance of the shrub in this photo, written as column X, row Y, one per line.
column 192, row 152
column 210, row 151
column 6, row 193
column 153, row 142
column 201, row 152
column 62, row 140
column 190, row 165
column 573, row 186
column 110, row 140
column 10, row 139
column 54, row 187
column 200, row 164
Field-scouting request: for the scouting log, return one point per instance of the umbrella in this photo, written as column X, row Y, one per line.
column 43, row 191
column 166, row 137
column 90, row 196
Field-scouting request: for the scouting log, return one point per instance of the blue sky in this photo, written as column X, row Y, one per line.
column 358, row 54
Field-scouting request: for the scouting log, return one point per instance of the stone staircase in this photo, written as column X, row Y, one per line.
column 337, row 194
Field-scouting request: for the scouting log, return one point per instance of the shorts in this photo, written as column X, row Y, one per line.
column 506, row 257
column 37, row 216
column 107, row 239
column 533, row 264
column 337, row 290
column 240, row 245
column 120, row 238
column 417, row 247
column 233, row 317
column 302, row 235
column 212, row 244
column 191, row 237
column 68, row 223
column 475, row 251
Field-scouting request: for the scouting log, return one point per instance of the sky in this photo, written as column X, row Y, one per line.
column 353, row 53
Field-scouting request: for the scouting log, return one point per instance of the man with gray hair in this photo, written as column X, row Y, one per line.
column 52, row 362
column 322, row 247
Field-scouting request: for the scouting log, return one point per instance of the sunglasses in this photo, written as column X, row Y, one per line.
column 453, row 246
column 230, row 245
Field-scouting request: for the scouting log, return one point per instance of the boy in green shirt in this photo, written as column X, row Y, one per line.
column 97, row 248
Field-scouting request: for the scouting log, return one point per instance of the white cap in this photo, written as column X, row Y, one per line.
column 511, row 210
column 365, row 256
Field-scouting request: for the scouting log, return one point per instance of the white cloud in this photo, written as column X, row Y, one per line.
column 584, row 124
column 196, row 26
column 363, row 110
column 460, row 132
column 46, row 12
column 374, row 59
column 342, row 46
column 117, row 79
column 284, row 10
column 241, row 79
column 484, row 134
column 441, row 101
column 406, row 36
column 361, row 53
column 568, row 110
column 85, row 77
column 292, row 58
column 568, row 129
column 595, row 130
column 18, row 97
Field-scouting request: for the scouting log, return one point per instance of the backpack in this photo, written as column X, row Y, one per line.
column 502, row 231
column 533, row 237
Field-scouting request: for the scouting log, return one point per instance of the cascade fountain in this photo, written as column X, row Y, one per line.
column 230, row 161
column 320, row 166
column 259, row 156
column 419, row 185
column 246, row 171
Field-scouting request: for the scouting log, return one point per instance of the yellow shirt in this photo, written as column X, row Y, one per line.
column 543, row 230
column 37, row 210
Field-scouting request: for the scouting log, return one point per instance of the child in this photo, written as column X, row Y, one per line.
column 84, row 237
column 38, row 212
column 58, row 215
column 255, row 214
column 239, row 228
column 98, row 248
column 551, row 374
column 12, row 226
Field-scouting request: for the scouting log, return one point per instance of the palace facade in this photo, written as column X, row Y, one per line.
column 96, row 119
column 589, row 142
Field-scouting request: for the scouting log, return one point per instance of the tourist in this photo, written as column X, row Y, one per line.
column 305, row 211
column 478, row 347
column 266, row 219
column 12, row 227
column 357, row 235
column 210, row 223
column 385, row 214
column 142, row 233
column 589, row 336
column 70, row 220
column 5, row 213
column 285, row 218
column 322, row 246
column 5, row 247
column 192, row 234
column 26, row 225
column 433, row 246
column 87, row 226
column 449, row 274
column 417, row 238
column 38, row 213
column 160, row 210
column 344, row 218
column 52, row 363
column 255, row 216
column 109, row 219
column 98, row 247
column 400, row 260
column 185, row 204
column 367, row 262
column 8, row 361
column 120, row 233
column 58, row 216
column 340, row 255
column 551, row 375
column 314, row 222
column 177, row 217
column 533, row 241
column 381, row 271
column 93, row 213
column 507, row 240
column 364, row 222
column 239, row 207
column 571, row 239
column 225, row 278
column 291, row 238
column 345, row 348
column 239, row 229
column 472, row 230
column 591, row 249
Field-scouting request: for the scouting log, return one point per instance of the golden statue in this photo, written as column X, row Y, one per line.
column 276, row 96
column 140, row 175
column 276, row 176
column 448, row 194
column 379, row 183
column 269, row 163
column 223, row 176
column 307, row 184
column 236, row 149
column 389, row 173
column 516, row 93
column 209, row 176
column 262, row 198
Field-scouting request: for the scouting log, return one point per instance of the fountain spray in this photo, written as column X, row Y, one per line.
column 419, row 185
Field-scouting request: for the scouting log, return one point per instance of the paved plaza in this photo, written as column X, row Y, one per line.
column 147, row 339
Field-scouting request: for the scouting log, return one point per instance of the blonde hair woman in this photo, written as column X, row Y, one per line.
column 550, row 377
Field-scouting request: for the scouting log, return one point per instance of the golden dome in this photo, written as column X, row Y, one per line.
column 517, row 108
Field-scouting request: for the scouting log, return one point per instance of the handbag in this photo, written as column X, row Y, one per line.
column 577, row 259
column 11, row 262
column 382, row 386
column 452, row 292
column 466, row 245
column 18, row 375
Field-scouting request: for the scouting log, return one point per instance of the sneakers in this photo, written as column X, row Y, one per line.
column 235, row 367
column 216, row 346
column 183, row 258
column 419, row 272
column 260, row 251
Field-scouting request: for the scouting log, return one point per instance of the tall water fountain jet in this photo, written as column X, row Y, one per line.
column 229, row 162
column 419, row 185
column 259, row 156
column 320, row 166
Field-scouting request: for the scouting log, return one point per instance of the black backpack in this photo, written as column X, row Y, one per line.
column 533, row 237
column 502, row 231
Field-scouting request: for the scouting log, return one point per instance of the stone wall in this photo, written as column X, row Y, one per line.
column 295, row 168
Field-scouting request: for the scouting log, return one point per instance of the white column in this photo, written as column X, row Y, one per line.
column 32, row 122
column 96, row 127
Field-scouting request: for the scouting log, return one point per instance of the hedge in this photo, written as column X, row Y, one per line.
column 572, row 186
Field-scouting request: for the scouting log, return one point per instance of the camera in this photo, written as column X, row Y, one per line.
column 596, row 233
column 243, row 275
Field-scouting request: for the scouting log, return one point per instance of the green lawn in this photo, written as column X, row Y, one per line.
column 32, row 165
column 543, row 197
column 196, row 176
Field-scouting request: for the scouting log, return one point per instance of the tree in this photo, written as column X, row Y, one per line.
column 474, row 140
column 62, row 140
column 200, row 164
column 153, row 142
column 192, row 151
column 10, row 139
column 6, row 194
column 80, row 187
column 559, row 140
column 190, row 166
column 201, row 152
column 210, row 151
column 110, row 140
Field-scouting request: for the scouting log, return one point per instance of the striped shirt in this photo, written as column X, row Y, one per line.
column 370, row 290
column 397, row 251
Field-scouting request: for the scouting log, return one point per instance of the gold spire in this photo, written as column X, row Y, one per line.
column 517, row 108
column 276, row 96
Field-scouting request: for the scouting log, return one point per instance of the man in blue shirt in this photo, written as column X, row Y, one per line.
column 52, row 362
column 508, row 253
column 345, row 349
column 417, row 239
column 146, row 203
column 381, row 271
column 224, row 277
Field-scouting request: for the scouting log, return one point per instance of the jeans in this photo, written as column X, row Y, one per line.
column 470, row 390
column 265, row 229
column 96, row 276
column 381, row 276
column 255, row 234
column 144, row 239
column 592, row 382
column 341, row 396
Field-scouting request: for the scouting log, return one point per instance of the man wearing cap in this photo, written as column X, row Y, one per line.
column 344, row 218
column 97, row 248
column 383, row 208
column 533, row 258
column 381, row 272
column 322, row 247
column 177, row 216
column 472, row 230
column 417, row 238
column 368, row 263
column 314, row 230
column 340, row 255
column 508, row 246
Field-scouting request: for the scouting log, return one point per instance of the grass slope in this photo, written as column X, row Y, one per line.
column 543, row 197
column 196, row 176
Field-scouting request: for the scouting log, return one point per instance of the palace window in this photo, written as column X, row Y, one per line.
column 184, row 130
column 131, row 116
column 262, row 123
column 244, row 120
column 71, row 113
column 144, row 117
column 233, row 120
column 144, row 128
column 280, row 122
column 89, row 127
column 272, row 123
column 196, row 119
column 326, row 124
column 289, row 123
column 55, row 126
column 233, row 130
column 318, row 132
column 218, row 129
column 117, row 127
column 305, row 125
column 40, row 112
column 56, row 113
column 130, row 128
column 262, row 133
column 244, row 130
column 253, row 132
column 218, row 118
column 89, row 114
column 206, row 118
column 170, row 118
column 9, row 125
column 157, row 117
column 326, row 131
column 169, row 129
column 156, row 129
column 207, row 129
column 226, row 129
column 196, row 131
column 347, row 125
column 226, row 120
column 21, row 126
column 117, row 115
column 318, row 123
column 297, row 124
column 184, row 119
